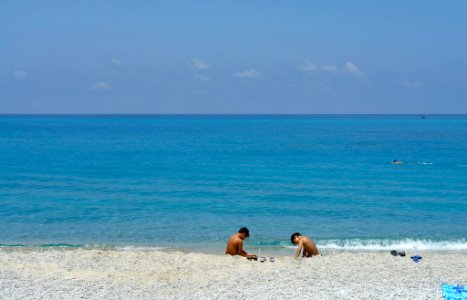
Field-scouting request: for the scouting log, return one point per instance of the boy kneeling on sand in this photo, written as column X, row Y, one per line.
column 304, row 243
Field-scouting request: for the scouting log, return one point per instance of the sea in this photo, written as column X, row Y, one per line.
column 190, row 181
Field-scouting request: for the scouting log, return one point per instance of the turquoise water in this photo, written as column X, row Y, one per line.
column 191, row 181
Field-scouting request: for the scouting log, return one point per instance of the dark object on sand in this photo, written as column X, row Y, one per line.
column 253, row 258
column 272, row 259
column 396, row 253
column 262, row 259
column 416, row 258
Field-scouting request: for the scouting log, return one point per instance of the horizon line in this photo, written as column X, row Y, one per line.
column 229, row 114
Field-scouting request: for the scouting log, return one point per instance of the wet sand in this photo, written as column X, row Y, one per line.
column 141, row 274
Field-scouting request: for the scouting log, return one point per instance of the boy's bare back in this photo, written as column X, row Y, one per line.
column 309, row 247
column 234, row 245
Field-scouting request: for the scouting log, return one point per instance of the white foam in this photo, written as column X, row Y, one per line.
column 386, row 244
column 420, row 163
column 141, row 248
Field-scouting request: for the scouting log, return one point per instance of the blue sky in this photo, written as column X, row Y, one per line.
column 233, row 56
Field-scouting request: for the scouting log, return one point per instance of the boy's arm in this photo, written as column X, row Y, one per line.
column 242, row 252
column 299, row 250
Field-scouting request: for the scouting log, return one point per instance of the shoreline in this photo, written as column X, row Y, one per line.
column 172, row 274
column 278, row 251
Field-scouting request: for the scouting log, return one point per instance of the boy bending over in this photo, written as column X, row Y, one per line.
column 304, row 243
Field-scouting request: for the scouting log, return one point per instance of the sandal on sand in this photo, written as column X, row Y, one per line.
column 253, row 258
column 272, row 259
column 401, row 253
column 393, row 252
column 262, row 259
column 416, row 258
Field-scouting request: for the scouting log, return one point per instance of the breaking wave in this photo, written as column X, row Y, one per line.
column 387, row 244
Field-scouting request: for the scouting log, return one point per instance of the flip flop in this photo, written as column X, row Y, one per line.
column 272, row 259
column 401, row 253
column 393, row 252
column 262, row 259
column 416, row 258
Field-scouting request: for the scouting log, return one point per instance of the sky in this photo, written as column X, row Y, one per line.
column 233, row 57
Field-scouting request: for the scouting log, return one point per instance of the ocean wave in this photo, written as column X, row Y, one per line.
column 141, row 248
column 86, row 247
column 462, row 166
column 421, row 163
column 387, row 244
column 51, row 245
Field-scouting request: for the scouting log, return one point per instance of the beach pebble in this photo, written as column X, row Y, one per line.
column 110, row 274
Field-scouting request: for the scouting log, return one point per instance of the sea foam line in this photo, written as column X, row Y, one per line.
column 86, row 247
column 386, row 244
column 141, row 248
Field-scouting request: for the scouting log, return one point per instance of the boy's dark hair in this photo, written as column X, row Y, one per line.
column 245, row 231
column 294, row 235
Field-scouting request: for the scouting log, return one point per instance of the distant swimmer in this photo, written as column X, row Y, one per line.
column 235, row 244
column 396, row 162
column 304, row 243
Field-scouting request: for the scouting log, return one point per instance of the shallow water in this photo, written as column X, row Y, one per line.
column 193, row 180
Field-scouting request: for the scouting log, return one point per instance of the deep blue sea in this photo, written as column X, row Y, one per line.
column 191, row 181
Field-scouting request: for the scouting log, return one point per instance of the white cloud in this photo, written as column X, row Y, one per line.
column 308, row 66
column 351, row 68
column 116, row 62
column 250, row 73
column 411, row 84
column 100, row 86
column 197, row 64
column 329, row 68
column 19, row 74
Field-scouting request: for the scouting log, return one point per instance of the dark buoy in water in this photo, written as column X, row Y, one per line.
column 423, row 117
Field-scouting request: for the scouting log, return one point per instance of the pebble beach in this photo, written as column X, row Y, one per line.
column 33, row 273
